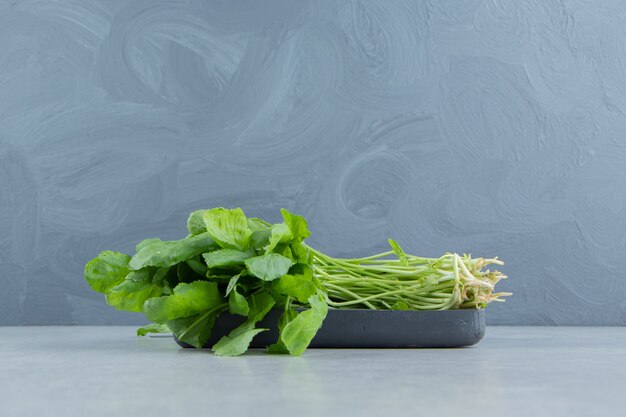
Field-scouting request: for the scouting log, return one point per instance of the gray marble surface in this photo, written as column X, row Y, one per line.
column 514, row 371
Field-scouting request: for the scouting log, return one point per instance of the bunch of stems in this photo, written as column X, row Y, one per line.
column 410, row 282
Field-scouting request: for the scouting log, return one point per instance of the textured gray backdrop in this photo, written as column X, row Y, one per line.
column 495, row 128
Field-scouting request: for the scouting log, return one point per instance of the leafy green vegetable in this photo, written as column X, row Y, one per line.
column 239, row 339
column 228, row 262
column 227, row 257
column 399, row 252
column 187, row 300
column 152, row 328
column 297, row 225
column 301, row 253
column 260, row 304
column 168, row 253
column 287, row 317
column 107, row 270
column 160, row 275
column 133, row 292
column 196, row 330
column 145, row 243
column 197, row 266
column 299, row 332
column 260, row 239
column 268, row 267
column 232, row 282
column 247, row 266
column 400, row 305
column 195, row 223
column 299, row 286
column 237, row 303
column 279, row 233
column 228, row 227
column 255, row 224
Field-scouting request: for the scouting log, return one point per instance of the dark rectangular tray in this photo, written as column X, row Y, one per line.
column 373, row 329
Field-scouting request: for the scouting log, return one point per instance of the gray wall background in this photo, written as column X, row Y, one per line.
column 495, row 128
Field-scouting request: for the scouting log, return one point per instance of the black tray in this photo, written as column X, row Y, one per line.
column 373, row 329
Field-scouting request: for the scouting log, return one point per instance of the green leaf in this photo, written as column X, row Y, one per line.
column 107, row 270
column 237, row 341
column 195, row 330
column 168, row 253
column 227, row 257
column 283, row 249
column 237, row 303
column 260, row 304
column 133, row 292
column 297, row 225
column 268, row 267
column 231, row 284
column 145, row 243
column 280, row 233
column 286, row 318
column 160, row 275
column 299, row 332
column 300, row 252
column 279, row 347
column 400, row 305
column 218, row 277
column 195, row 222
column 287, row 252
column 228, row 227
column 197, row 266
column 152, row 328
column 299, row 285
column 167, row 289
column 399, row 252
column 261, row 232
column 187, row 300
column 255, row 224
column 260, row 239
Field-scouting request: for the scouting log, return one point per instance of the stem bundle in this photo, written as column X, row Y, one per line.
column 408, row 282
